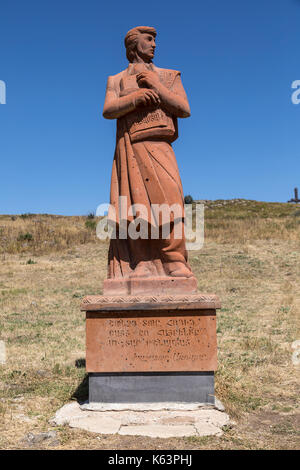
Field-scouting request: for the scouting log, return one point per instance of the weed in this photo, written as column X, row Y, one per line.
column 25, row 237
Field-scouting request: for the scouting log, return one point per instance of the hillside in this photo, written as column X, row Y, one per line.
column 237, row 220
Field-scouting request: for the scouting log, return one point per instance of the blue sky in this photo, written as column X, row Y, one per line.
column 238, row 60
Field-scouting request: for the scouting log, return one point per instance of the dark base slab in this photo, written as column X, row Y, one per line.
column 152, row 387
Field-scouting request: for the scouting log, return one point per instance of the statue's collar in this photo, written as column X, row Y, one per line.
column 138, row 67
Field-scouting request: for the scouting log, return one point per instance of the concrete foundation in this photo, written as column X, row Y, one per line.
column 158, row 423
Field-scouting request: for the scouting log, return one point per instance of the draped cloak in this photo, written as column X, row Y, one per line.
column 145, row 171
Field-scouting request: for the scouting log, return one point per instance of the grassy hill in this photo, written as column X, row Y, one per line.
column 225, row 221
column 250, row 258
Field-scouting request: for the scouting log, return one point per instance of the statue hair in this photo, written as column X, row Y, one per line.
column 132, row 37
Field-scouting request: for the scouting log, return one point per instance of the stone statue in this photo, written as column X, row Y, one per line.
column 150, row 321
column 146, row 101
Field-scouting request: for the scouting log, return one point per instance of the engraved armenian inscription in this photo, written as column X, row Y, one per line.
column 149, row 343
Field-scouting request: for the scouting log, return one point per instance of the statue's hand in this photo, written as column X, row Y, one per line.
column 148, row 78
column 146, row 97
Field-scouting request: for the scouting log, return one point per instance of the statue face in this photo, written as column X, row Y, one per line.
column 145, row 47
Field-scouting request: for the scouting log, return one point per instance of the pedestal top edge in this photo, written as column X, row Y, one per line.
column 153, row 302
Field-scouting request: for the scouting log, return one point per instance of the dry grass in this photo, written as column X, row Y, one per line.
column 241, row 221
column 250, row 259
column 41, row 233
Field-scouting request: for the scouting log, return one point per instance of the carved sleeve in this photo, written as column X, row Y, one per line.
column 175, row 99
column 114, row 106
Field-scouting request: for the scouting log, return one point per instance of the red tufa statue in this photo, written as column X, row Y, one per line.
column 146, row 101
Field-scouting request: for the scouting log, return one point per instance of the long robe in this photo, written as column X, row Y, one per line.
column 146, row 172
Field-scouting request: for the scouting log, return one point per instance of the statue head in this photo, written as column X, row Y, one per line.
column 140, row 44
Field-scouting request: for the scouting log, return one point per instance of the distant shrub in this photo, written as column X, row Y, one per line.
column 25, row 237
column 30, row 261
column 91, row 215
column 27, row 215
column 188, row 199
column 91, row 224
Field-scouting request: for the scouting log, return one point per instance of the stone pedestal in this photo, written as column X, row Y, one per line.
column 158, row 349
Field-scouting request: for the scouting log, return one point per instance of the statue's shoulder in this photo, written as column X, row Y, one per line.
column 166, row 71
column 113, row 81
column 167, row 76
column 119, row 75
